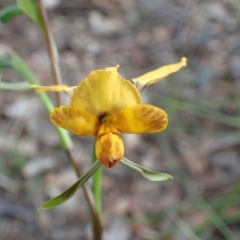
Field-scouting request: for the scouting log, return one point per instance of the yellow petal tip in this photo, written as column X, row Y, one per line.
column 117, row 66
column 110, row 69
column 184, row 61
column 158, row 74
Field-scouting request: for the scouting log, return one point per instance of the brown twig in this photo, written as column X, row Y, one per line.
column 52, row 55
column 97, row 227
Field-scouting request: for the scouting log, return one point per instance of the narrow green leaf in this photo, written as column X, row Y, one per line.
column 144, row 172
column 31, row 9
column 8, row 13
column 71, row 191
column 5, row 63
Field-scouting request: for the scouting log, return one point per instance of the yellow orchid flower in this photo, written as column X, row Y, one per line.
column 158, row 74
column 105, row 105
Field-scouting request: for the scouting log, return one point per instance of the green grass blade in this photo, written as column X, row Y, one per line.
column 5, row 63
column 10, row 12
column 31, row 9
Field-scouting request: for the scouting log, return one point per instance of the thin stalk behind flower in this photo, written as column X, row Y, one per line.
column 97, row 185
column 50, row 47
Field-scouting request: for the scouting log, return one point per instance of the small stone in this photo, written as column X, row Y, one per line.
column 22, row 108
column 94, row 48
column 118, row 230
column 227, row 161
column 216, row 11
column 38, row 166
column 41, row 60
column 28, row 147
column 3, row 50
column 104, row 25
column 51, row 4
column 234, row 66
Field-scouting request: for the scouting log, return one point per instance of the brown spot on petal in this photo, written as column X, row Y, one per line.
column 103, row 158
column 117, row 151
column 112, row 164
column 110, row 151
column 151, row 110
column 144, row 109
column 156, row 115
column 116, row 145
column 64, row 110
column 156, row 124
column 56, row 117
column 106, row 145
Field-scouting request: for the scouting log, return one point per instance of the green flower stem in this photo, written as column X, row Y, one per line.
column 14, row 86
column 97, row 186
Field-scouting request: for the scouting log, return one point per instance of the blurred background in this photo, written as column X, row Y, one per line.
column 200, row 147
